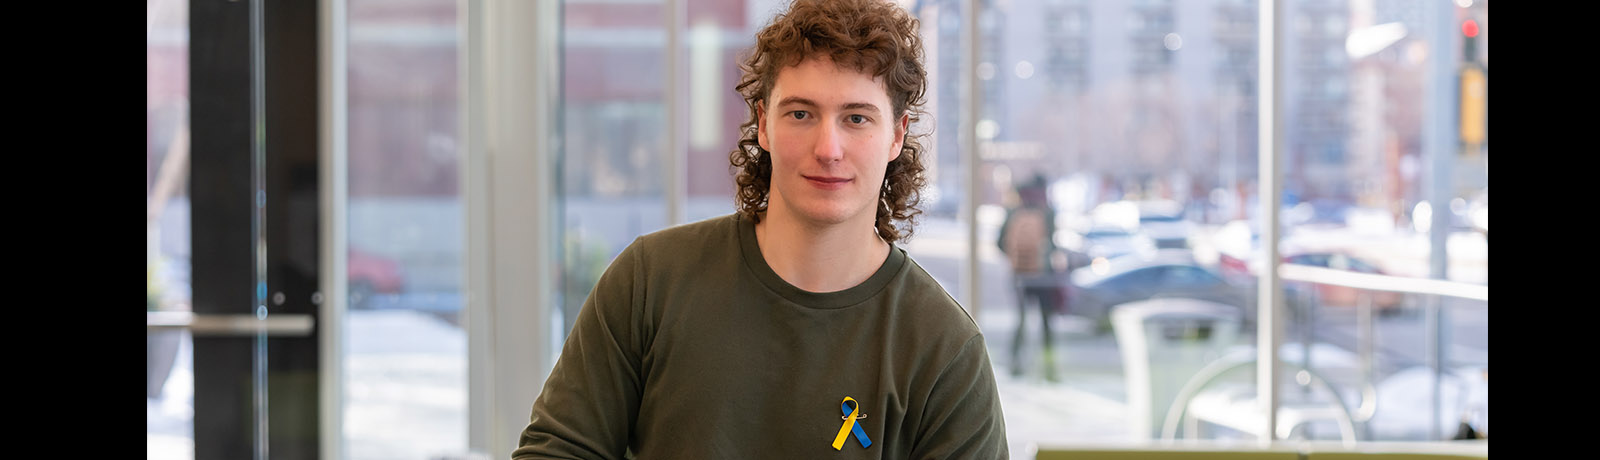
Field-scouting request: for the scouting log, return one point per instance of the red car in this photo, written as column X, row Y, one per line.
column 370, row 274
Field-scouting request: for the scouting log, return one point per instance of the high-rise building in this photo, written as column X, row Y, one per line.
column 1153, row 90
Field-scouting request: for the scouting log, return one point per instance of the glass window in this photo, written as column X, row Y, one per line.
column 1146, row 131
column 1354, row 201
column 717, row 35
column 405, row 367
column 613, row 137
column 940, row 243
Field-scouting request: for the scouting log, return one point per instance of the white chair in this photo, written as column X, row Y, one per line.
column 1202, row 398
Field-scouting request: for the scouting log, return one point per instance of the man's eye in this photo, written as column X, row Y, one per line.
column 857, row 119
column 798, row 114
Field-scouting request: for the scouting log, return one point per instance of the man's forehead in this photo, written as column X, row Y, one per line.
column 817, row 81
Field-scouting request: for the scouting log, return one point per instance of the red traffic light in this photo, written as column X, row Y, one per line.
column 1469, row 28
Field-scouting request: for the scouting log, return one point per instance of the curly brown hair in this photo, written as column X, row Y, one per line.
column 875, row 37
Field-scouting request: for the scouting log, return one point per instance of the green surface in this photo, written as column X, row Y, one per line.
column 1150, row 454
column 1277, row 452
column 1388, row 456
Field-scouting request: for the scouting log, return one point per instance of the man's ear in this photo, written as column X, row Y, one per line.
column 761, row 125
column 900, row 127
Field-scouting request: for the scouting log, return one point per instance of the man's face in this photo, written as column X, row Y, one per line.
column 832, row 134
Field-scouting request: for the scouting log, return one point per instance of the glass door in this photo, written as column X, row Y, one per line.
column 232, row 224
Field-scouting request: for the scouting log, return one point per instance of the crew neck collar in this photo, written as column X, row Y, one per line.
column 757, row 263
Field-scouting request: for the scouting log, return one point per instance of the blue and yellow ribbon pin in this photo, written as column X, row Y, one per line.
column 851, row 413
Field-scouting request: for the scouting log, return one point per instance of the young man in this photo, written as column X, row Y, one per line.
column 793, row 328
column 1026, row 240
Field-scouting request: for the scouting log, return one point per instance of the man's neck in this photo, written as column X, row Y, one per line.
column 820, row 259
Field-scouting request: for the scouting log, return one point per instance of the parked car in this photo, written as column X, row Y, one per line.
column 370, row 274
column 1105, row 241
column 1163, row 273
column 1163, row 222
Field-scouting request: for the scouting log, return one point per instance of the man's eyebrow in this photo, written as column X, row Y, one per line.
column 862, row 106
column 796, row 100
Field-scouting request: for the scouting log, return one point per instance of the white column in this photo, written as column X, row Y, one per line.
column 508, row 78
column 1269, row 324
column 967, row 138
column 333, row 167
column 675, row 154
column 1440, row 144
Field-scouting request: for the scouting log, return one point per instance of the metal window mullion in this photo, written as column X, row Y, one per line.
column 676, row 152
column 1440, row 144
column 334, row 166
column 1386, row 283
column 510, row 197
column 474, row 181
column 968, row 139
column 258, row 227
column 1269, row 324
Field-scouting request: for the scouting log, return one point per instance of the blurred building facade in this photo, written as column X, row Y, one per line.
column 1162, row 94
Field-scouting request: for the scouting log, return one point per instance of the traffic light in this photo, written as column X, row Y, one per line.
column 1469, row 40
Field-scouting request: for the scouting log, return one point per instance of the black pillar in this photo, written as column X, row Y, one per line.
column 224, row 232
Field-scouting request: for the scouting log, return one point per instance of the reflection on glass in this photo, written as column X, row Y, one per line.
column 405, row 371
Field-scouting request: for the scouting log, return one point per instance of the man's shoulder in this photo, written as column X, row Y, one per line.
column 931, row 300
column 723, row 225
column 719, row 232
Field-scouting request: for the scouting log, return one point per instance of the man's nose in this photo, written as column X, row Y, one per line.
column 828, row 148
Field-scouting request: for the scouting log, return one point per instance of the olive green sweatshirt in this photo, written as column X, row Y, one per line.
column 691, row 347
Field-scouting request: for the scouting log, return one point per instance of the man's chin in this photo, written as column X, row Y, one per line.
column 828, row 215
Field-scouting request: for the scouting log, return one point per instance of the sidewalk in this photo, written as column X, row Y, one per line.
column 169, row 419
column 1086, row 404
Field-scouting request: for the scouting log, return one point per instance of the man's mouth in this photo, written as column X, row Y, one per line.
column 827, row 179
column 828, row 182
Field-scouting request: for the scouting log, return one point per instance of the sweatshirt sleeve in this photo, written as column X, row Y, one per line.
column 963, row 417
column 590, row 403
